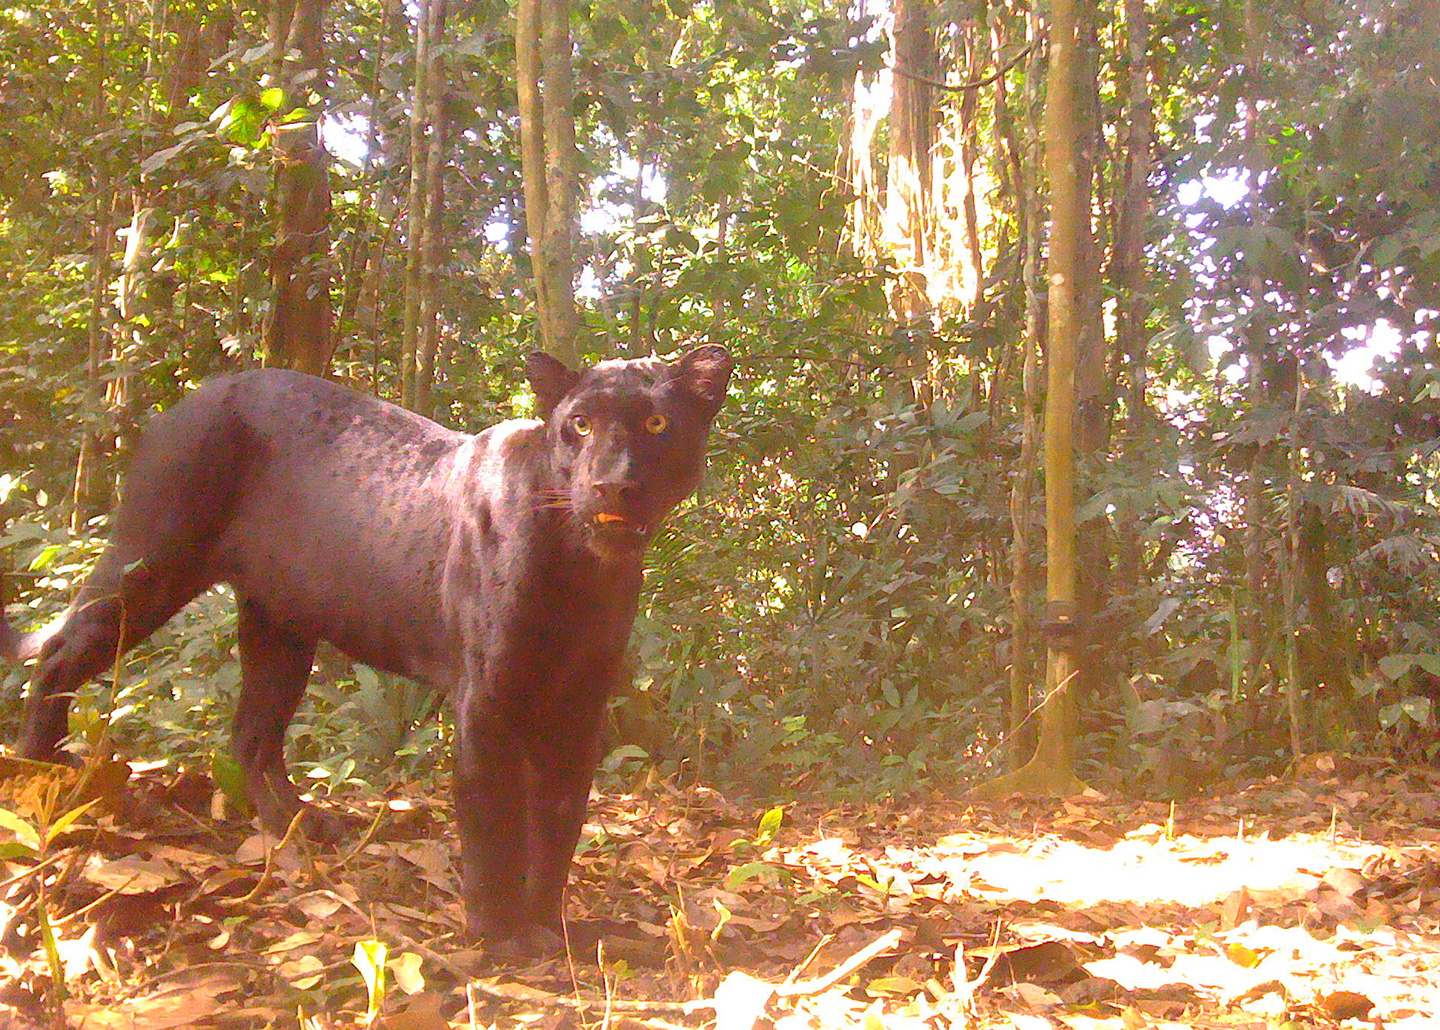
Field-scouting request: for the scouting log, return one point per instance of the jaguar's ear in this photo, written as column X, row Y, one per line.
column 705, row 373
column 551, row 380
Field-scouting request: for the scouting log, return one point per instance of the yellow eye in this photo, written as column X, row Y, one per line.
column 656, row 424
column 581, row 425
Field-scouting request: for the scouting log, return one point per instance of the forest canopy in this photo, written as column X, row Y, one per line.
column 1172, row 264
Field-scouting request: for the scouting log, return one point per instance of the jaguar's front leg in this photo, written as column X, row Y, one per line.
column 490, row 813
column 559, row 795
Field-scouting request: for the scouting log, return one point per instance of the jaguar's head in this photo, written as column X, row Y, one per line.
column 627, row 440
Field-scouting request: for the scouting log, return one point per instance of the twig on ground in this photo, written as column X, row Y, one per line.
column 32, row 870
column 513, row 992
column 265, row 877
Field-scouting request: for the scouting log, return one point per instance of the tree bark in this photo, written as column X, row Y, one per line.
column 1127, row 269
column 298, row 331
column 91, row 495
column 432, row 239
column 1020, row 731
column 1051, row 768
column 909, row 189
column 1257, row 568
column 549, row 167
column 199, row 33
column 1128, row 258
column 425, row 215
column 358, row 261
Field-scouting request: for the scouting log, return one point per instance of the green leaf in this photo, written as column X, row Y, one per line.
column 369, row 958
column 26, row 835
column 60, row 825
column 241, row 121
column 769, row 824
column 225, row 771
column 46, row 558
column 52, row 951
column 743, row 874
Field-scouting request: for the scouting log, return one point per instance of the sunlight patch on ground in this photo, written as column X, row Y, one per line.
column 1143, row 868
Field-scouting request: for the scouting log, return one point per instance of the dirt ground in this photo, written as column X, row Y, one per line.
column 1310, row 901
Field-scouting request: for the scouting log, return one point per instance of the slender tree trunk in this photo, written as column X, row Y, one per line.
column 1294, row 687
column 1051, row 768
column 549, row 167
column 1127, row 268
column 974, row 42
column 415, row 204
column 425, row 210
column 561, row 170
column 636, row 326
column 432, row 247
column 1020, row 731
column 357, row 261
column 199, row 33
column 1069, row 241
column 528, row 91
column 1128, row 261
column 909, row 189
column 1094, row 397
column 298, row 331
column 1256, row 510
column 1022, row 491
column 91, row 495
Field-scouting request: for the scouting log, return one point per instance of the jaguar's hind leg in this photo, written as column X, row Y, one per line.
column 274, row 668
column 115, row 611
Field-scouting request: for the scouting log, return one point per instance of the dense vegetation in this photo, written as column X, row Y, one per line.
column 845, row 605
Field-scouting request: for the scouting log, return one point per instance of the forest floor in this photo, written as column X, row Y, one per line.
column 1311, row 901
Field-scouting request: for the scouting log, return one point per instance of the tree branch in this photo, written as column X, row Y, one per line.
column 960, row 87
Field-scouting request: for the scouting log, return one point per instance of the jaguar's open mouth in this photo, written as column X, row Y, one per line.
column 614, row 537
column 616, row 526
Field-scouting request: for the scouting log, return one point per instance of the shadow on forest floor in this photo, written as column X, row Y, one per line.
column 1304, row 902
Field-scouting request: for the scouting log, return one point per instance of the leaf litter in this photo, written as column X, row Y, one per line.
column 1312, row 901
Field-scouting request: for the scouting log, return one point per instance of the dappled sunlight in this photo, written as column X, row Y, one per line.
column 1144, row 868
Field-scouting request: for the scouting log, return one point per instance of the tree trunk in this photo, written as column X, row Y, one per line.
column 1094, row 397
column 1295, row 699
column 1258, row 615
column 367, row 223
column 131, row 340
column 91, row 495
column 1022, row 487
column 1127, row 269
column 1020, row 731
column 92, row 492
column 549, row 167
column 298, row 331
column 1128, row 257
column 423, row 245
column 909, row 189
column 1051, row 768
column 432, row 246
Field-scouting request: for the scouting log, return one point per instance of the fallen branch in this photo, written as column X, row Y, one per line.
column 263, row 884
column 513, row 992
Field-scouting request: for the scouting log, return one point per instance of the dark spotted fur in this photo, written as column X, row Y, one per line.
column 501, row 568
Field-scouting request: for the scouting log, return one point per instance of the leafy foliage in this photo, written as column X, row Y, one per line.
column 835, row 609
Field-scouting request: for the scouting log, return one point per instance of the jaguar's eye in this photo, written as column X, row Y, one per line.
column 656, row 424
column 581, row 425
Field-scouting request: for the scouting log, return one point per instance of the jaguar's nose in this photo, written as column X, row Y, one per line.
column 615, row 494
